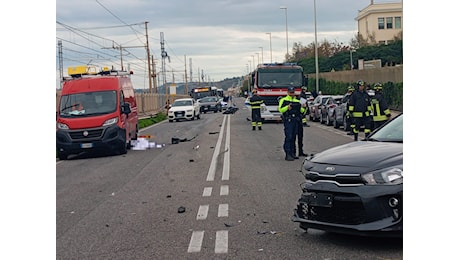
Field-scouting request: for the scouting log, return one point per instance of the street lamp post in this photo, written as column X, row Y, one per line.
column 316, row 52
column 258, row 60
column 271, row 59
column 287, row 41
column 351, row 58
column 262, row 51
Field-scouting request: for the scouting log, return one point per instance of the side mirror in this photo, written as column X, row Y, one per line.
column 126, row 108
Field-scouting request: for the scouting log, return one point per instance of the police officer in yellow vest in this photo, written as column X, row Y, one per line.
column 256, row 101
column 292, row 110
column 380, row 111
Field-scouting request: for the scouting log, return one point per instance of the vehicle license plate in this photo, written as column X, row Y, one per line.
column 86, row 145
column 321, row 200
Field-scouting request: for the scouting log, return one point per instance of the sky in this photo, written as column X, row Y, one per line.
column 220, row 38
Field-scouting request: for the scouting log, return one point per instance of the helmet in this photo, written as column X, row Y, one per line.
column 291, row 89
column 378, row 86
column 351, row 88
column 360, row 83
column 304, row 88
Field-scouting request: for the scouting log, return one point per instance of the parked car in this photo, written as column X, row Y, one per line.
column 340, row 118
column 210, row 103
column 315, row 112
column 356, row 188
column 184, row 108
column 328, row 109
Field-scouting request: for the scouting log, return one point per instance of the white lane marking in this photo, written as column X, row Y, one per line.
column 207, row 191
column 202, row 212
column 224, row 191
column 226, row 168
column 212, row 167
column 195, row 242
column 221, row 242
column 223, row 210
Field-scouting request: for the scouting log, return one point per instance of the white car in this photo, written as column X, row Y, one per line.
column 184, row 108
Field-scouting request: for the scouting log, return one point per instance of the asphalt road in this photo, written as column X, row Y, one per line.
column 224, row 192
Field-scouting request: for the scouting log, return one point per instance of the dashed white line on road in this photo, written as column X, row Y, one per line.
column 224, row 190
column 226, row 167
column 223, row 210
column 196, row 241
column 212, row 167
column 221, row 242
column 202, row 212
column 207, row 191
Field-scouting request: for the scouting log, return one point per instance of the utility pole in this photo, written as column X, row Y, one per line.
column 61, row 65
column 185, row 74
column 164, row 55
column 148, row 60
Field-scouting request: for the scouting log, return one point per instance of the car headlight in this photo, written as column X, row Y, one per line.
column 62, row 126
column 110, row 121
column 387, row 176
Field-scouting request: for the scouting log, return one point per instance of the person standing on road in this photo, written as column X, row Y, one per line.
column 291, row 109
column 351, row 124
column 256, row 101
column 360, row 110
column 303, row 95
column 380, row 111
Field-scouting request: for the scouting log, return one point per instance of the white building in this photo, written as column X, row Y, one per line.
column 380, row 23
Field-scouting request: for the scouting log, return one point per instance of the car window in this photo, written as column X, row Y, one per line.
column 390, row 132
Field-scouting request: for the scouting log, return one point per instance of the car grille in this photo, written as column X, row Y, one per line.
column 80, row 135
column 270, row 100
column 179, row 113
column 339, row 179
column 346, row 209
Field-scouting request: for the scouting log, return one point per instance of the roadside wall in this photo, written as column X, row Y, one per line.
column 382, row 75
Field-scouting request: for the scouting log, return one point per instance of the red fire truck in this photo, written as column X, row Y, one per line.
column 271, row 80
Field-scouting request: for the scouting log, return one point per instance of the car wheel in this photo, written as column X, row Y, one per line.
column 198, row 116
column 335, row 123
column 193, row 117
column 170, row 121
column 62, row 156
column 346, row 125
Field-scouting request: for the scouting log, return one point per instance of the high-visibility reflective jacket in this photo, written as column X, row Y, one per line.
column 295, row 112
column 359, row 104
column 380, row 110
column 255, row 101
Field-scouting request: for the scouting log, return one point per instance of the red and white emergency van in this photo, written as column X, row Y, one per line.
column 97, row 110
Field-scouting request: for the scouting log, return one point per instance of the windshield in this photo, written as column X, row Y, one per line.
column 209, row 99
column 390, row 132
column 273, row 78
column 89, row 103
column 181, row 103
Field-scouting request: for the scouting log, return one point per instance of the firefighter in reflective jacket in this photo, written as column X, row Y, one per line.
column 380, row 111
column 360, row 110
column 292, row 111
column 256, row 101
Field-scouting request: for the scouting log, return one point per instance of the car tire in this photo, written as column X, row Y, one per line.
column 328, row 120
column 198, row 116
column 62, row 156
column 346, row 125
column 193, row 117
column 170, row 121
column 335, row 123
